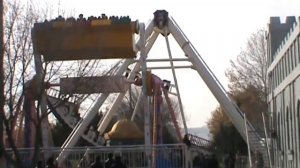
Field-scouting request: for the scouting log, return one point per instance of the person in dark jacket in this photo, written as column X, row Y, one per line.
column 109, row 161
column 50, row 162
column 97, row 163
column 214, row 162
column 118, row 163
column 186, row 140
column 259, row 162
column 229, row 161
column 39, row 164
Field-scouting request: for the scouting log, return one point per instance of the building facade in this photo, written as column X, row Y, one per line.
column 283, row 56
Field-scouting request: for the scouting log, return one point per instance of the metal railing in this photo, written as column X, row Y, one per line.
column 171, row 155
column 200, row 142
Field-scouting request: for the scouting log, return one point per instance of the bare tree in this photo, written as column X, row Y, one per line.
column 18, row 69
column 248, row 77
column 250, row 68
column 17, row 65
column 247, row 84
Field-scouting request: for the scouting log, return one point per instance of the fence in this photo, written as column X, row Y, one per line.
column 165, row 156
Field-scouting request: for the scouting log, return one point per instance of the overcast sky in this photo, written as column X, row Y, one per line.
column 218, row 29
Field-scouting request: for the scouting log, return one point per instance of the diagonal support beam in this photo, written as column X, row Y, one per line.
column 87, row 118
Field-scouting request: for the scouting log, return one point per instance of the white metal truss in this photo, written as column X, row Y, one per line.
column 147, row 37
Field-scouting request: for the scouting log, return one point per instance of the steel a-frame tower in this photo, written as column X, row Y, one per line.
column 164, row 25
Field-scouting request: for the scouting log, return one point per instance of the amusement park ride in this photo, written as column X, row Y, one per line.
column 113, row 38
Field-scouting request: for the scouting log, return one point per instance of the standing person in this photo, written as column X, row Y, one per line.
column 202, row 160
column 39, row 164
column 226, row 161
column 214, row 162
column 238, row 159
column 97, row 163
column 197, row 161
column 2, row 159
column 186, row 140
column 188, row 143
column 229, row 161
column 50, row 163
column 118, row 163
column 259, row 162
column 109, row 161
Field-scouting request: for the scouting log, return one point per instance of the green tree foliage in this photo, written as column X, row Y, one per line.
column 224, row 135
column 247, row 87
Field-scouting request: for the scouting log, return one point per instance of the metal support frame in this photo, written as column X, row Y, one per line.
column 145, row 98
column 266, row 139
column 176, row 84
column 208, row 77
column 170, row 67
column 81, row 126
column 87, row 118
column 139, row 100
column 248, row 144
column 46, row 136
column 146, row 39
column 137, row 66
column 231, row 109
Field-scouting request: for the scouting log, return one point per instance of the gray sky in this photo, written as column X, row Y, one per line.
column 218, row 29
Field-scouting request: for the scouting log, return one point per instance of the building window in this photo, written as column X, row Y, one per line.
column 281, row 69
column 292, row 57
column 288, row 127
column 296, row 53
column 298, row 47
column 275, row 76
column 286, row 65
column 278, row 131
column 288, row 62
column 271, row 82
column 283, row 128
column 298, row 119
column 292, row 129
column 279, row 72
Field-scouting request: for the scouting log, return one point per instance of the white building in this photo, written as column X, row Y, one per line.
column 284, row 90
